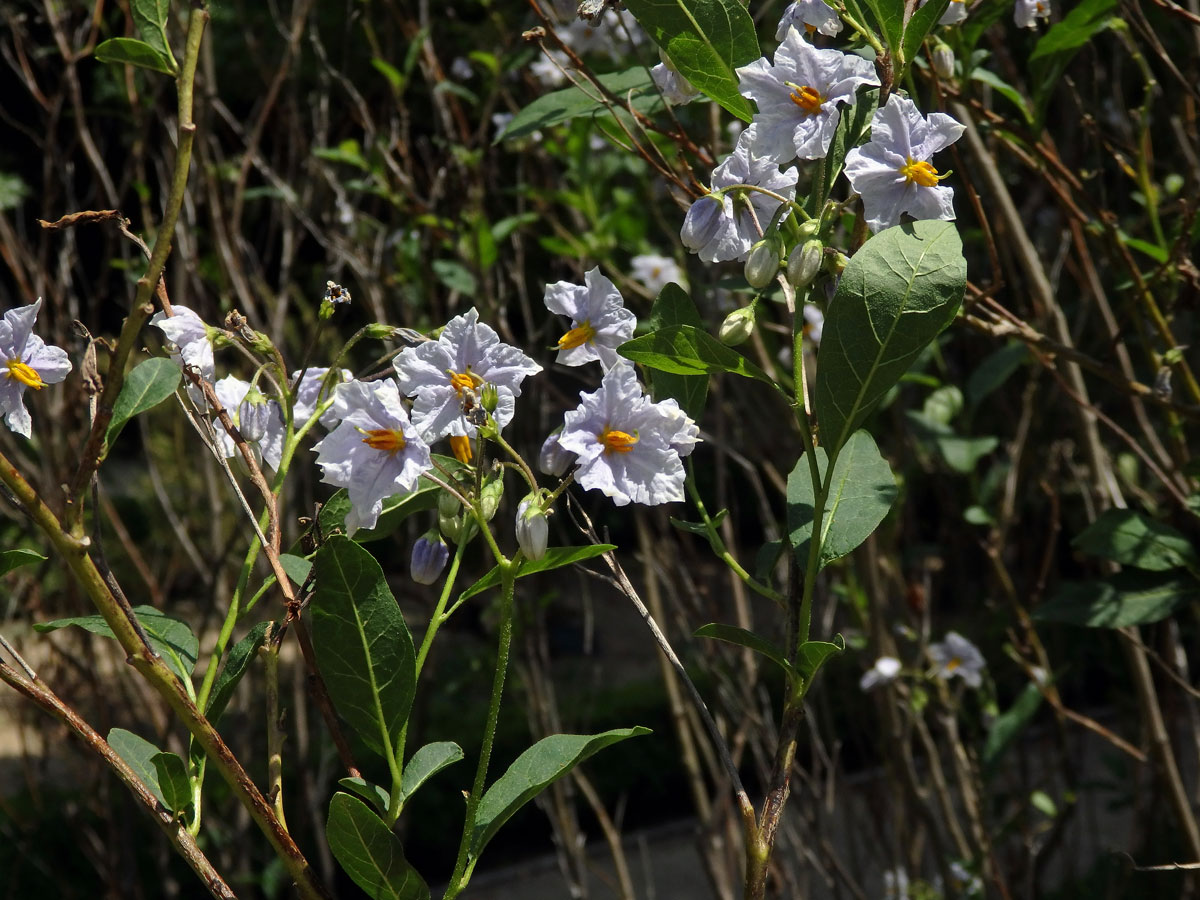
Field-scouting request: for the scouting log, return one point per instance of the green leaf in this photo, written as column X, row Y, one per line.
column 995, row 369
column 1042, row 802
column 12, row 559
column 889, row 16
column 571, row 103
column 169, row 637
column 706, row 40
column 454, row 275
column 814, row 654
column 372, row 793
column 1004, row 89
column 173, row 781
column 960, row 452
column 426, row 763
column 555, row 558
column 1132, row 539
column 686, row 350
column 852, row 126
column 674, row 306
column 923, row 21
column 296, row 567
column 138, row 754
column 1009, row 724
column 150, row 17
column 395, row 510
column 541, row 765
column 731, row 634
column 370, row 853
column 133, row 52
column 861, row 492
column 363, row 648
column 899, row 291
column 1127, row 598
column 1058, row 46
column 237, row 662
column 149, row 384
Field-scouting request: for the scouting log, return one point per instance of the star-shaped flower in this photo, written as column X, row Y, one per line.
column 440, row 374
column 726, row 223
column 625, row 444
column 655, row 271
column 798, row 97
column 958, row 657
column 1027, row 12
column 811, row 15
column 892, row 171
column 600, row 323
column 374, row 453
column 189, row 334
column 26, row 361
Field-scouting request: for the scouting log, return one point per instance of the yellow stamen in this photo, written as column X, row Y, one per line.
column 953, row 664
column 923, row 173
column 577, row 336
column 24, row 373
column 811, row 29
column 808, row 99
column 460, row 446
column 616, row 441
column 462, row 381
column 390, row 440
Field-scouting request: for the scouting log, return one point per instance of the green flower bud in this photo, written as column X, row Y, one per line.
column 737, row 327
column 762, row 265
column 448, row 504
column 490, row 496
column 489, row 397
column 804, row 262
column 809, row 229
column 943, row 59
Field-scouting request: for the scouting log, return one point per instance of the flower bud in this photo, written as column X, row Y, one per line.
column 489, row 397
column 254, row 416
column 804, row 262
column 490, row 495
column 553, row 460
column 836, row 262
column 533, row 530
column 808, row 229
column 448, row 504
column 943, row 59
column 377, row 331
column 762, row 265
column 429, row 555
column 701, row 222
column 737, row 327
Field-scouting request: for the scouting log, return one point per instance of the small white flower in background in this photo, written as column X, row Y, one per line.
column 548, row 68
column 814, row 323
column 460, row 68
column 892, row 172
column 676, row 89
column 966, row 883
column 884, row 671
column 655, row 271
column 335, row 293
column 26, row 361
column 189, row 334
column 624, row 442
column 468, row 355
column 809, row 15
column 600, row 323
column 895, row 884
column 956, row 656
column 375, row 451
column 720, row 226
column 798, row 96
column 1027, row 12
column 308, row 393
column 259, row 421
column 955, row 12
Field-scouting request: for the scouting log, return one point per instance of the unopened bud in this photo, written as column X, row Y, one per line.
column 490, row 495
column 808, row 229
column 448, row 504
column 737, row 327
column 553, row 458
column 533, row 530
column 762, row 265
column 943, row 59
column 804, row 263
column 429, row 555
column 253, row 416
column 377, row 331
column 701, row 222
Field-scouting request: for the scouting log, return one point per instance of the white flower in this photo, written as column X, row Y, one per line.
column 895, row 884
column 686, row 434
column 599, row 320
column 460, row 69
column 812, row 15
column 655, row 271
column 967, row 883
column 624, row 442
column 441, row 374
column 676, row 89
column 307, row 394
column 955, row 12
column 259, row 421
column 798, row 96
column 548, row 68
column 893, row 173
column 884, row 671
column 1027, row 12
column 189, row 334
column 814, row 323
column 533, row 531
column 26, row 361
column 721, row 226
column 374, row 453
column 958, row 656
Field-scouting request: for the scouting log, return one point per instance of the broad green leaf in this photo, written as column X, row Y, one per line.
column 923, row 21
column 1058, row 46
column 731, row 634
column 454, row 275
column 686, row 350
column 237, row 661
column 571, row 103
column 983, row 15
column 150, row 17
column 889, row 16
column 370, row 853
column 675, row 307
column 1008, row 726
column 395, row 510
column 296, row 567
column 133, row 52
column 1004, row 89
column 12, row 559
column 1127, row 598
column 861, row 492
column 138, row 754
column 960, row 452
column 899, row 291
column 173, row 781
column 814, row 654
column 995, row 369
column 363, row 648
column 149, row 384
column 169, row 637
column 372, row 793
column 555, row 558
column 541, row 765
column 706, row 40
column 426, row 763
column 1132, row 539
